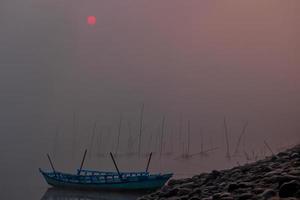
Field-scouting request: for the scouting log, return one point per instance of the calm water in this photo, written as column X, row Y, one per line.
column 66, row 86
column 55, row 194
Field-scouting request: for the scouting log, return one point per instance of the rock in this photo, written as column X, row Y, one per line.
column 173, row 182
column 297, row 194
column 216, row 196
column 245, row 196
column 273, row 173
column 245, row 185
column 295, row 155
column 183, row 191
column 215, row 173
column 184, row 197
column 258, row 190
column 197, row 191
column 294, row 172
column 165, row 188
column 268, row 193
column 281, row 154
column 188, row 185
column 142, row 198
column 232, row 187
column 194, row 198
column 174, row 198
column 274, row 158
column 207, row 198
column 225, row 194
column 227, row 198
column 266, row 179
column 296, row 164
column 170, row 192
column 289, row 189
column 265, row 169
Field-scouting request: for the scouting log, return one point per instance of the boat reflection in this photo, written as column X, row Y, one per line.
column 62, row 194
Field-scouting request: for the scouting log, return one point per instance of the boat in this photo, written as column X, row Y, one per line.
column 88, row 179
column 101, row 180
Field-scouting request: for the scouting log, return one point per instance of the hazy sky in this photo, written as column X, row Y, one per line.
column 201, row 60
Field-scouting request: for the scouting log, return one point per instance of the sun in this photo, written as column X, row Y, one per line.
column 91, row 20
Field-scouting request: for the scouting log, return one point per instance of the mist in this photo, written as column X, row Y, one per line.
column 186, row 61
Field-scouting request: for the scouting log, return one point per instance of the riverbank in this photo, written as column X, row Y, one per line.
column 275, row 177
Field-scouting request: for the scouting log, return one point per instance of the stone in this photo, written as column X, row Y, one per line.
column 258, row 190
column 197, row 191
column 183, row 191
column 194, row 198
column 170, row 192
column 225, row 194
column 245, row 196
column 295, row 155
column 232, row 187
column 268, row 193
column 188, row 185
column 216, row 196
column 289, row 189
column 294, row 172
column 207, row 198
column 245, row 185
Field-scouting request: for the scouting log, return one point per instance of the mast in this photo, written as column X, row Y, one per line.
column 52, row 166
column 82, row 162
column 148, row 163
column 116, row 166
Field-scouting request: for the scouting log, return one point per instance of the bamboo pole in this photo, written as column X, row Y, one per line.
column 267, row 145
column 181, row 143
column 119, row 133
column 240, row 138
column 74, row 141
column 100, row 140
column 92, row 138
column 129, row 142
column 227, row 140
column 189, row 137
column 202, row 142
column 141, row 129
column 55, row 142
column 162, row 136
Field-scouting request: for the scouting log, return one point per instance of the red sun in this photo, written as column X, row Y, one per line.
column 91, row 20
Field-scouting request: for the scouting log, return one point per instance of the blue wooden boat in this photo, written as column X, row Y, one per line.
column 99, row 180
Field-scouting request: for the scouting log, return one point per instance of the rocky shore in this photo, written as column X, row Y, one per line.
column 275, row 177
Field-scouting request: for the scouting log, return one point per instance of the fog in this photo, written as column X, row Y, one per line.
column 197, row 61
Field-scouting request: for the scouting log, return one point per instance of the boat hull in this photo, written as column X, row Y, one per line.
column 146, row 184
